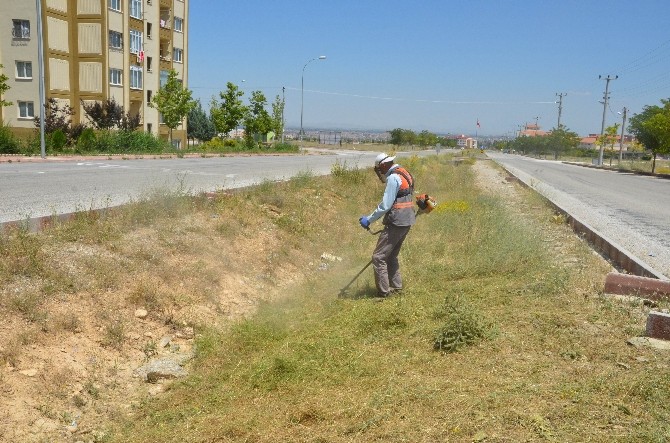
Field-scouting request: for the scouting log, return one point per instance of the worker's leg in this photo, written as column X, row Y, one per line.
column 392, row 264
column 385, row 258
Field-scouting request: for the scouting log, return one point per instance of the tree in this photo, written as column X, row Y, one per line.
column 278, row 116
column 608, row 138
column 426, row 138
column 401, row 136
column 130, row 122
column 103, row 115
column 257, row 121
column 56, row 117
column 561, row 140
column 4, row 87
column 199, row 125
column 173, row 101
column 651, row 134
column 227, row 114
column 659, row 127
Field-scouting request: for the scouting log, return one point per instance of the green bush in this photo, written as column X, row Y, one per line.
column 58, row 140
column 86, row 141
column 129, row 142
column 9, row 144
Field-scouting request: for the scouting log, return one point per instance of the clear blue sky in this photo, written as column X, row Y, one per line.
column 436, row 65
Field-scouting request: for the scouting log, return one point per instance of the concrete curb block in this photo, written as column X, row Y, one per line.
column 625, row 284
column 658, row 325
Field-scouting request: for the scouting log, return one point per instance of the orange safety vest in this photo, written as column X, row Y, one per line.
column 402, row 211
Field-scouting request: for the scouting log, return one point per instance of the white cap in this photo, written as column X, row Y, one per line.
column 383, row 158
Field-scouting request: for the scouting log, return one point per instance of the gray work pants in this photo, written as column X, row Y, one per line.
column 385, row 258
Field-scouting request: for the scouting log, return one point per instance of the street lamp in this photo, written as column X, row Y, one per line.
column 302, row 91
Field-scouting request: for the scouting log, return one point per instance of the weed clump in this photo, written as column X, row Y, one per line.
column 463, row 327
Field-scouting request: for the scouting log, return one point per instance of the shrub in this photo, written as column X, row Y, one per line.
column 124, row 142
column 86, row 141
column 58, row 140
column 463, row 327
column 9, row 144
column 342, row 172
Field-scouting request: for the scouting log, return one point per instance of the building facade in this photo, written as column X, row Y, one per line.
column 94, row 50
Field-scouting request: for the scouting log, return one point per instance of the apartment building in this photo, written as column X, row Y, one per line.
column 93, row 50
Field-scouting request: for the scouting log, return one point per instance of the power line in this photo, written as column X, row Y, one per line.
column 453, row 102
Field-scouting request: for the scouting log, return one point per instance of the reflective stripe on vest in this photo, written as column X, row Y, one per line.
column 408, row 204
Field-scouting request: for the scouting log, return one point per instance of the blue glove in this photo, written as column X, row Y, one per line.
column 364, row 222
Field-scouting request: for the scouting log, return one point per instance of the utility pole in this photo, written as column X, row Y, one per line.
column 560, row 107
column 602, row 128
column 283, row 104
column 40, row 64
column 623, row 129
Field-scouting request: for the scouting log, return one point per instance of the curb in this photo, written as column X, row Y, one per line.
column 625, row 284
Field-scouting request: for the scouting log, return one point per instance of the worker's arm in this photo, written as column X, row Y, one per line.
column 390, row 193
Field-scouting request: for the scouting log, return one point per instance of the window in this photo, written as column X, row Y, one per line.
column 178, row 24
column 163, row 78
column 177, row 56
column 149, row 127
column 115, row 40
column 149, row 30
column 24, row 70
column 135, row 77
column 136, row 8
column 115, row 77
column 114, row 4
column 149, row 60
column 26, row 110
column 149, row 94
column 135, row 41
column 21, row 28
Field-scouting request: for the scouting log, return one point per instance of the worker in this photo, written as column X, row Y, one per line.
column 398, row 214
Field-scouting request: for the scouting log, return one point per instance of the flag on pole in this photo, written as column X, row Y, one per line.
column 478, row 125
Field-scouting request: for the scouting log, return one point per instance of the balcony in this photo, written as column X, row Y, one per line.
column 165, row 19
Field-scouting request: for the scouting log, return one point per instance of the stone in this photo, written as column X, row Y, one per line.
column 164, row 341
column 29, row 372
column 141, row 313
column 658, row 325
column 649, row 342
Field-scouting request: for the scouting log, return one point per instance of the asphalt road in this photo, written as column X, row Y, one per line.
column 54, row 186
column 632, row 210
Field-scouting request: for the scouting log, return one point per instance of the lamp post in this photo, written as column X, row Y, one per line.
column 302, row 91
column 623, row 131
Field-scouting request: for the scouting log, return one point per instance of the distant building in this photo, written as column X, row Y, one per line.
column 589, row 142
column 94, row 50
column 464, row 141
column 532, row 130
